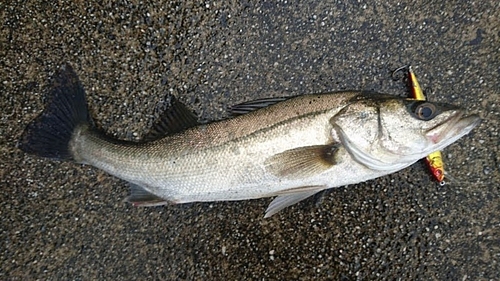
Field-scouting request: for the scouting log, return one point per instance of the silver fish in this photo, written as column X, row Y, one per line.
column 290, row 148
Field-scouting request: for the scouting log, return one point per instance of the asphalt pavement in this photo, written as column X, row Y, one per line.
column 64, row 221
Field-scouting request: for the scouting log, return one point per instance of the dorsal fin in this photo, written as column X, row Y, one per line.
column 249, row 106
column 175, row 119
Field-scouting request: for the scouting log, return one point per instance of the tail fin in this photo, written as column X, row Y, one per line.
column 50, row 133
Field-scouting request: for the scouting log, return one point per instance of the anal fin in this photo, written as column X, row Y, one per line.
column 140, row 197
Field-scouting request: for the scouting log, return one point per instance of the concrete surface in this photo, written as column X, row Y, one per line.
column 62, row 221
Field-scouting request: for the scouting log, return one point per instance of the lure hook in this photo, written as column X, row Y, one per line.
column 397, row 70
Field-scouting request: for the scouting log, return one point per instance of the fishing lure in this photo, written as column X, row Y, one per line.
column 434, row 160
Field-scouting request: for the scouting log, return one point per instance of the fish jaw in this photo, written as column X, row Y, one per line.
column 450, row 131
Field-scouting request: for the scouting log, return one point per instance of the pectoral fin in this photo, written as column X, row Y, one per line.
column 303, row 161
column 140, row 197
column 289, row 199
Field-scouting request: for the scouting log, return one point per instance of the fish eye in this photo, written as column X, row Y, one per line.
column 425, row 111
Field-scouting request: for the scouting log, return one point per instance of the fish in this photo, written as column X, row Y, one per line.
column 289, row 148
column 435, row 159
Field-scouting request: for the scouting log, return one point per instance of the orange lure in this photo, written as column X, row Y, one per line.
column 435, row 159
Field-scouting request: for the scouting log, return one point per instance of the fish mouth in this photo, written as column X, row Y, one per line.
column 452, row 129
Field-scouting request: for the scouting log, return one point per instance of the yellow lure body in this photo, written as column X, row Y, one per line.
column 435, row 159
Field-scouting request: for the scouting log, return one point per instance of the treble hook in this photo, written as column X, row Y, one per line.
column 397, row 70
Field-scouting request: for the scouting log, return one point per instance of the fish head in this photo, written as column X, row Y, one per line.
column 389, row 133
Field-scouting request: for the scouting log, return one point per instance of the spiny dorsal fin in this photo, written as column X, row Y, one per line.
column 175, row 119
column 303, row 161
column 140, row 197
column 246, row 107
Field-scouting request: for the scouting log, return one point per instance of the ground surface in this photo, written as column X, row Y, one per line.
column 66, row 221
